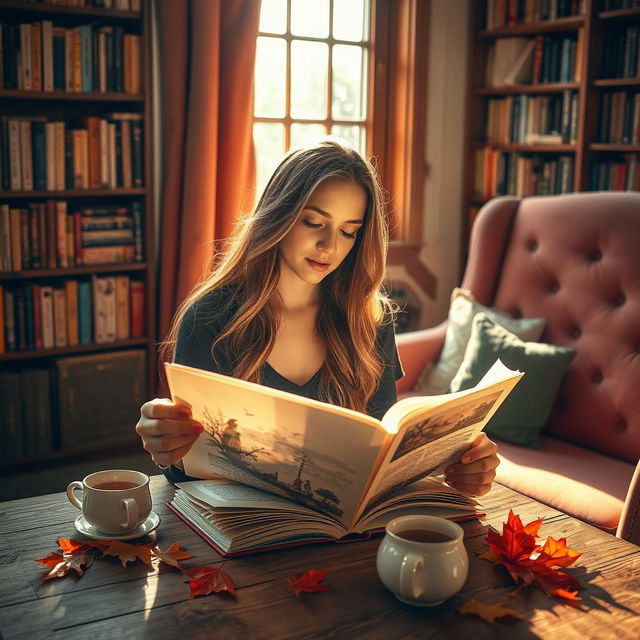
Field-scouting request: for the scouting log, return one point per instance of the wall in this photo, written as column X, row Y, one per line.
column 446, row 98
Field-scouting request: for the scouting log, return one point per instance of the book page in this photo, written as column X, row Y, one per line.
column 313, row 453
column 431, row 437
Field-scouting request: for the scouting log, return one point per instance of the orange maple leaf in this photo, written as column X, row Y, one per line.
column 309, row 582
column 124, row 551
column 172, row 555
column 206, row 579
column 79, row 559
column 529, row 563
column 488, row 612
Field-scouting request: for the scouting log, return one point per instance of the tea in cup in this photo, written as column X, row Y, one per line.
column 422, row 559
column 116, row 501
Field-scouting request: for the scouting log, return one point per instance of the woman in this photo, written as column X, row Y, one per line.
column 296, row 303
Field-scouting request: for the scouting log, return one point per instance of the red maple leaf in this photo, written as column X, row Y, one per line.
column 309, row 582
column 529, row 563
column 75, row 557
column 206, row 579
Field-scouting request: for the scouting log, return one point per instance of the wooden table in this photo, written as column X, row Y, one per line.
column 116, row 603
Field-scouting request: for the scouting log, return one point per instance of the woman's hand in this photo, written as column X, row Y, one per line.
column 167, row 430
column 477, row 468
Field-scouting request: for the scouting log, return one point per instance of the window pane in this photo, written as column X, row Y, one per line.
column 349, row 83
column 350, row 20
column 355, row 135
column 306, row 134
column 273, row 16
column 269, row 81
column 309, row 61
column 310, row 18
column 268, row 140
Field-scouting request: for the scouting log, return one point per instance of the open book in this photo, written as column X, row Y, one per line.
column 284, row 469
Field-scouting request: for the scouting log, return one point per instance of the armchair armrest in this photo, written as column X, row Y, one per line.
column 416, row 349
column 629, row 526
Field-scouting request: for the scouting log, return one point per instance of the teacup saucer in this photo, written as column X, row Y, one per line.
column 83, row 527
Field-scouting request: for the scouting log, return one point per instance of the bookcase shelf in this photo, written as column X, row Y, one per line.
column 93, row 347
column 44, row 10
column 556, row 87
column 618, row 148
column 496, row 169
column 72, row 193
column 535, row 28
column 619, row 14
column 20, row 94
column 528, row 148
column 617, row 82
column 73, row 271
column 51, row 227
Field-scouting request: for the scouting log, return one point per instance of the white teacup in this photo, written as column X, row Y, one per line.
column 114, row 501
column 419, row 572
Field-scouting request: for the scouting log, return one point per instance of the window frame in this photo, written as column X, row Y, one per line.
column 396, row 118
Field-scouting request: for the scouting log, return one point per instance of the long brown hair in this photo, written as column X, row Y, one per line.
column 353, row 302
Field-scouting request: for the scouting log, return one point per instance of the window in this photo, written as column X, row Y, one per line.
column 355, row 69
column 311, row 76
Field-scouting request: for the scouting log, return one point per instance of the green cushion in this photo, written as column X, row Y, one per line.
column 524, row 413
column 436, row 378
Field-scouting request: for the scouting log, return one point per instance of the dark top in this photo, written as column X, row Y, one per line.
column 204, row 321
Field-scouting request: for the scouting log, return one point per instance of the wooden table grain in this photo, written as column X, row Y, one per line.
column 110, row 602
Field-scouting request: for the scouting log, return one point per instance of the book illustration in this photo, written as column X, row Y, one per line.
column 443, row 423
column 280, row 461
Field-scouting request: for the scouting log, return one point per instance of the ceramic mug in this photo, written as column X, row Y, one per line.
column 423, row 573
column 114, row 501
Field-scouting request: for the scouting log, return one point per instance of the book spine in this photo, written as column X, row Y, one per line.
column 46, row 309
column 60, row 317
column 5, row 238
column 39, row 155
column 57, row 60
column 36, row 248
column 68, row 56
column 86, row 52
column 85, row 330
column 59, row 155
column 61, row 229
column 71, row 297
column 136, row 289
column 25, row 57
column 37, row 315
column 50, row 146
column 16, row 244
column 25, row 155
column 51, row 234
column 106, row 255
column 20, row 318
column 93, row 129
column 10, row 320
column 77, row 60
column 15, row 161
column 137, row 167
column 138, row 230
column 104, row 153
column 28, row 317
column 69, row 176
column 36, row 56
column 122, row 307
column 71, row 253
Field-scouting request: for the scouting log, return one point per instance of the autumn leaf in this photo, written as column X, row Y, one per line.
column 172, row 555
column 67, row 545
column 206, row 579
column 529, row 563
column 488, row 612
column 309, row 582
column 61, row 564
column 125, row 552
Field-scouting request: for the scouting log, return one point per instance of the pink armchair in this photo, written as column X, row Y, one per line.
column 575, row 260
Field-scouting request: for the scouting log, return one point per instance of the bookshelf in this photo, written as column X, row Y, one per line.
column 589, row 118
column 76, row 225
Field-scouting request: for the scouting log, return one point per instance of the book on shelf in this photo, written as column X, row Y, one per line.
column 46, row 56
column 313, row 471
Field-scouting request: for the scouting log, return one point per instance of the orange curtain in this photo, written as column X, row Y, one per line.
column 206, row 59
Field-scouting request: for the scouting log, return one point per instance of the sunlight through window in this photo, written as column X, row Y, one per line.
column 311, row 77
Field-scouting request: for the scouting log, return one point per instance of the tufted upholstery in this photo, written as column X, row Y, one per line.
column 575, row 260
